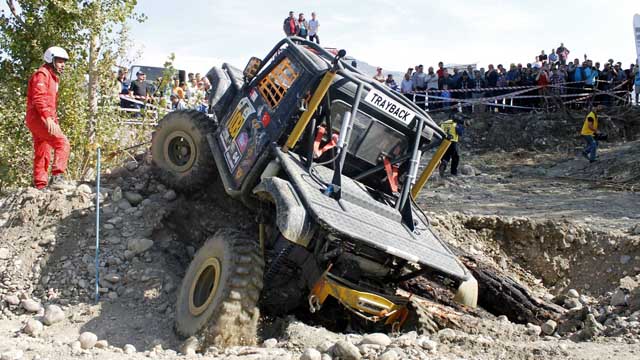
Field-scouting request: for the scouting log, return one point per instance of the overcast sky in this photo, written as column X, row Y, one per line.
column 394, row 34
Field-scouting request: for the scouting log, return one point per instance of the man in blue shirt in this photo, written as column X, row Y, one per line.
column 590, row 75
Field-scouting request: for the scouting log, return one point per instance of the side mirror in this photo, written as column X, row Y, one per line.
column 251, row 70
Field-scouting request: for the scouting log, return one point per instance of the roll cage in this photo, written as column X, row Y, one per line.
column 421, row 132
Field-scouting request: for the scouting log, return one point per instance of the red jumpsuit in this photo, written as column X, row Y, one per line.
column 42, row 96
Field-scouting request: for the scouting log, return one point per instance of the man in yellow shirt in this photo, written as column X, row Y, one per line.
column 589, row 132
column 454, row 128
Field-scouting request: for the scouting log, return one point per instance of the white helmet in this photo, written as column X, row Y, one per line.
column 55, row 52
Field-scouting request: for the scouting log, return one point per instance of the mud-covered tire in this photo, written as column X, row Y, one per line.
column 227, row 314
column 180, row 152
column 420, row 319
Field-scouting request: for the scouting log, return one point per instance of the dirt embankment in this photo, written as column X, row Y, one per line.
column 538, row 131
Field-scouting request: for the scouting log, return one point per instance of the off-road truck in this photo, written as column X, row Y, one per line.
column 328, row 160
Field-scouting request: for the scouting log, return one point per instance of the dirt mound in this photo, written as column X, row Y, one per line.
column 544, row 131
column 617, row 167
column 553, row 255
column 149, row 235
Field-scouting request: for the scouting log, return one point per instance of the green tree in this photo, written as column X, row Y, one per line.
column 96, row 37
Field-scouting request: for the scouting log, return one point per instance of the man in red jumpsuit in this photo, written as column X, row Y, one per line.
column 42, row 121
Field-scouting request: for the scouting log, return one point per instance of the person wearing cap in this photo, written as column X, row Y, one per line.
column 139, row 90
column 139, row 87
column 43, row 123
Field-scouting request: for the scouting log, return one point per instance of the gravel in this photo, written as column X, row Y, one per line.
column 31, row 305
column 52, row 314
column 12, row 300
column 549, row 327
column 33, row 327
column 190, row 346
column 311, row 354
column 346, row 350
column 129, row 349
column 376, row 339
column 87, row 340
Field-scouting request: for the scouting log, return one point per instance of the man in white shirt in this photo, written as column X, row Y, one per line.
column 406, row 86
column 314, row 25
column 432, row 79
column 419, row 79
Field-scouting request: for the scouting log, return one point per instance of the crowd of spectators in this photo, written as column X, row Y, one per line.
column 190, row 94
column 549, row 76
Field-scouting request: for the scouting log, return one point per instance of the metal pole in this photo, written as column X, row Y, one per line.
column 97, row 261
column 413, row 165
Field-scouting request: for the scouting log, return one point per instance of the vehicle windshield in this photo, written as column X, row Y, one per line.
column 370, row 139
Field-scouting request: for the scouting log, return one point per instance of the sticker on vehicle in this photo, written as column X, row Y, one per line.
column 232, row 156
column 239, row 116
column 389, row 106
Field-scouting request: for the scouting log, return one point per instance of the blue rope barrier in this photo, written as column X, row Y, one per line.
column 97, row 261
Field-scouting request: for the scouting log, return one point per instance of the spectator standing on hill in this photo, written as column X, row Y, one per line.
column 290, row 25
column 553, row 57
column 455, row 77
column 391, row 83
column 177, row 103
column 378, row 76
column 124, row 87
column 563, row 54
column 590, row 75
column 557, row 80
column 177, row 90
column 432, row 79
column 314, row 26
column 542, row 56
column 303, row 26
column 637, row 83
column 406, row 86
column 478, row 84
column 465, row 83
column 542, row 80
column 419, row 79
column 578, row 75
column 441, row 70
column 140, row 89
column 445, row 80
column 513, row 75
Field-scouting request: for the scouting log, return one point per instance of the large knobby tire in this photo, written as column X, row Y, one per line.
column 180, row 151
column 220, row 291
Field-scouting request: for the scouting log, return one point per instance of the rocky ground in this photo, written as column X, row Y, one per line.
column 566, row 230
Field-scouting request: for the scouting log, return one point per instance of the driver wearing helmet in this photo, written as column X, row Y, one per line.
column 42, row 121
